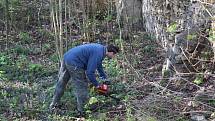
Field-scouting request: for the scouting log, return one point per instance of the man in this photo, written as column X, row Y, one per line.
column 80, row 64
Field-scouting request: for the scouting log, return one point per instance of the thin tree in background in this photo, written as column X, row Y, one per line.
column 54, row 26
column 57, row 24
column 66, row 24
column 84, row 17
column 7, row 21
column 60, row 30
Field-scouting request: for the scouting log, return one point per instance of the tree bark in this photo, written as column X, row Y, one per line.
column 60, row 30
column 159, row 15
column 66, row 24
column 7, row 22
column 54, row 25
column 130, row 12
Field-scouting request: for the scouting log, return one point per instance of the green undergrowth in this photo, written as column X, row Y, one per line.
column 27, row 87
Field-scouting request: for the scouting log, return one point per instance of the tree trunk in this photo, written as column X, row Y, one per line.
column 66, row 24
column 60, row 30
column 54, row 26
column 130, row 12
column 159, row 18
column 7, row 22
column 84, row 16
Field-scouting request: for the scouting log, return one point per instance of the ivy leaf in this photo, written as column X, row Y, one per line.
column 213, row 115
column 191, row 36
column 172, row 28
column 93, row 100
column 198, row 80
column 212, row 38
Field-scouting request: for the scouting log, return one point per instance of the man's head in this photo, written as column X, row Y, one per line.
column 112, row 50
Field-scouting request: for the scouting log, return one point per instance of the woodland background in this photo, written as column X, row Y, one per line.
column 165, row 71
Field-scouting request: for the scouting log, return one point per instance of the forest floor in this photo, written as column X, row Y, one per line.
column 29, row 68
column 29, row 73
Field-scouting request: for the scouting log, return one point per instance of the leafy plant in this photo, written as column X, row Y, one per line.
column 3, row 75
column 22, row 62
column 15, row 3
column 199, row 79
column 112, row 68
column 4, row 60
column 212, row 102
column 21, row 50
column 212, row 35
column 45, row 34
column 118, row 41
column 149, row 49
column 14, row 102
column 35, row 67
column 129, row 115
column 54, row 58
column 177, row 98
column 213, row 115
column 2, row 4
column 206, row 55
column 191, row 36
column 47, row 46
column 151, row 119
column 93, row 100
column 25, row 37
column 109, row 17
column 149, row 37
column 3, row 118
column 172, row 28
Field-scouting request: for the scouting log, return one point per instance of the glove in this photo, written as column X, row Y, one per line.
column 103, row 89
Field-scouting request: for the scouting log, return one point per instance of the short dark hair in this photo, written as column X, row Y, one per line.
column 113, row 48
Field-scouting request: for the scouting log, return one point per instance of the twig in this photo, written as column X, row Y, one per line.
column 115, row 111
column 165, row 87
column 187, row 60
column 191, row 83
column 205, row 8
column 205, row 104
column 192, row 73
column 208, row 112
column 152, row 83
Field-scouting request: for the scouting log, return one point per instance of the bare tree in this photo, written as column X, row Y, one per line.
column 7, row 21
column 57, row 25
column 60, row 30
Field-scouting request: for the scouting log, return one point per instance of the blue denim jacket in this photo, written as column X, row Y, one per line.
column 88, row 57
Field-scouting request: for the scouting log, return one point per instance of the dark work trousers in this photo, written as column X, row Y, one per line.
column 79, row 83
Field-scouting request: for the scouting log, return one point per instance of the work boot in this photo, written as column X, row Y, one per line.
column 54, row 106
column 81, row 114
column 51, row 106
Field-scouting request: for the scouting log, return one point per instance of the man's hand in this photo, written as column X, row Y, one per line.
column 103, row 89
column 106, row 81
